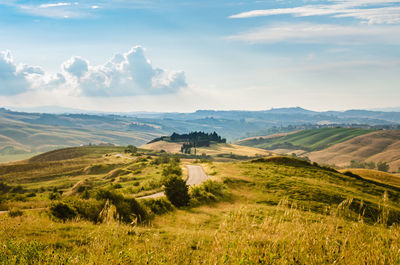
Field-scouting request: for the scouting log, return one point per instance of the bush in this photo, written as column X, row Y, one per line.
column 162, row 159
column 209, row 191
column 127, row 208
column 62, row 211
column 383, row 166
column 54, row 196
column 172, row 169
column 15, row 213
column 131, row 149
column 158, row 206
column 176, row 190
column 87, row 209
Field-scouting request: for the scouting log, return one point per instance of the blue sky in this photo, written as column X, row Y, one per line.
column 185, row 55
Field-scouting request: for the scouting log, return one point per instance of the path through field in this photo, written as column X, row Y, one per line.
column 196, row 176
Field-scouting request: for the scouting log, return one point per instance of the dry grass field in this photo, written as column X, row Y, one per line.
column 376, row 146
column 375, row 175
column 163, row 145
column 277, row 210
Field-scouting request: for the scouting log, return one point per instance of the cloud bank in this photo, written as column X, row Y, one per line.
column 313, row 33
column 127, row 74
column 369, row 11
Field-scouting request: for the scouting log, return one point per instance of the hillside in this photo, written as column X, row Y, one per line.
column 25, row 134
column 278, row 210
column 375, row 175
column 305, row 140
column 22, row 134
column 377, row 146
column 219, row 150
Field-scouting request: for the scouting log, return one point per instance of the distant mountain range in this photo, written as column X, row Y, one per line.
column 37, row 132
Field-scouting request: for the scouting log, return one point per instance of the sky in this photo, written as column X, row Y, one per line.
column 166, row 55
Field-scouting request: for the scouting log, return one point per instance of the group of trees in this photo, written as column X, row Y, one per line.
column 381, row 166
column 196, row 139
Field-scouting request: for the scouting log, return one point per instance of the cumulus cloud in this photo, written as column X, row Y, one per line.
column 76, row 66
column 370, row 11
column 13, row 79
column 128, row 74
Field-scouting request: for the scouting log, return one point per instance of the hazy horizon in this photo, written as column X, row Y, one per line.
column 179, row 56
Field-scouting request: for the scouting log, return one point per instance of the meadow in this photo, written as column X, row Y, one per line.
column 276, row 210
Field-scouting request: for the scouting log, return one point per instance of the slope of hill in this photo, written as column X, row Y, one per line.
column 375, row 175
column 377, row 146
column 279, row 210
column 28, row 133
column 219, row 150
column 306, row 140
column 23, row 135
column 169, row 147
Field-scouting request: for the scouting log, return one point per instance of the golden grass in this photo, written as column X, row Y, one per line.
column 375, row 175
column 277, row 214
column 222, row 234
column 163, row 145
column 234, row 149
column 376, row 147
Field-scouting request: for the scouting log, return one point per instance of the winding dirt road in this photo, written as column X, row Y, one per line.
column 196, row 176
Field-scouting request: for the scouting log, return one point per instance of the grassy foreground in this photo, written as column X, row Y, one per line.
column 280, row 211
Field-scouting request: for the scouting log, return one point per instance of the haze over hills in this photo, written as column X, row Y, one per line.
column 335, row 146
column 26, row 133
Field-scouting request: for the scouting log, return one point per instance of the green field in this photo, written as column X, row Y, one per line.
column 307, row 140
column 275, row 210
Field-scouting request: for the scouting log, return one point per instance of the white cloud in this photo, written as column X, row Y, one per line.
column 13, row 78
column 321, row 33
column 76, row 66
column 128, row 74
column 370, row 11
column 54, row 5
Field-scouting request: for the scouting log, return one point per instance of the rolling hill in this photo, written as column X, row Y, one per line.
column 375, row 175
column 24, row 134
column 383, row 145
column 277, row 210
column 215, row 150
column 305, row 140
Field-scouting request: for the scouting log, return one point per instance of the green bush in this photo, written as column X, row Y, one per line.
column 62, row 211
column 383, row 166
column 209, row 191
column 176, row 190
column 15, row 213
column 158, row 206
column 127, row 208
column 54, row 196
column 86, row 209
column 172, row 169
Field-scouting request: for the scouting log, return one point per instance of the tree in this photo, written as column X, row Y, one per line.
column 383, row 166
column 131, row 149
column 176, row 190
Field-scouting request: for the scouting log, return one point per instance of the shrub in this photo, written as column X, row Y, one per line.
column 176, row 190
column 127, row 208
column 54, row 196
column 162, row 159
column 383, row 166
column 87, row 209
column 158, row 206
column 172, row 169
column 15, row 213
column 131, row 149
column 62, row 211
column 209, row 191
